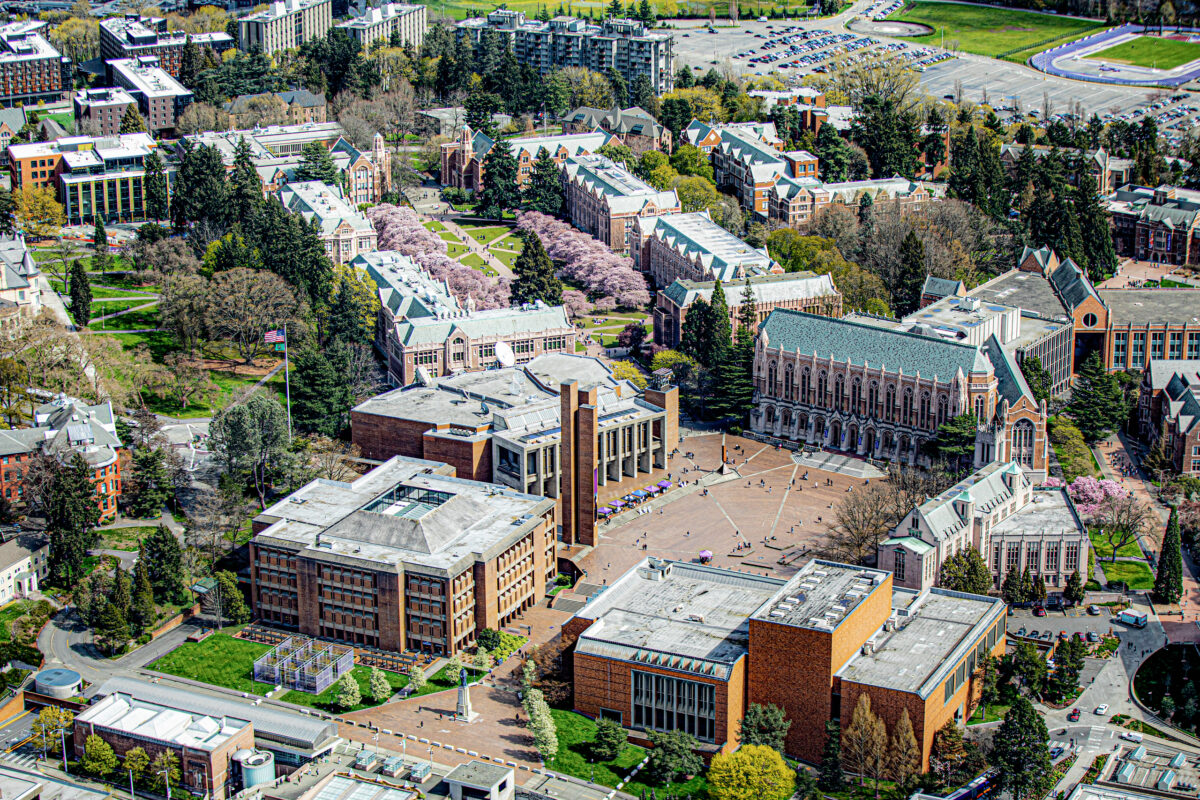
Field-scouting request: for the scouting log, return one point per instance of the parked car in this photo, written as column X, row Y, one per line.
column 1021, row 632
column 1131, row 736
column 1074, row 715
column 1092, row 636
column 1039, row 611
column 1048, row 635
column 1062, row 636
column 1102, row 708
column 1055, row 752
column 1094, row 610
column 1035, row 633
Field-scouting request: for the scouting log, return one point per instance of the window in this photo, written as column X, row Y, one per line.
column 1120, row 341
column 1072, row 561
column 665, row 703
column 1022, row 443
column 1157, row 343
column 1176, row 346
column 1193, row 345
column 1138, row 351
column 555, row 343
column 1032, row 557
column 1090, row 320
column 899, row 568
column 428, row 357
column 1012, row 558
column 1052, row 557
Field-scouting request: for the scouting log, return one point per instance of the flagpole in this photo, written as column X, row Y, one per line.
column 287, row 381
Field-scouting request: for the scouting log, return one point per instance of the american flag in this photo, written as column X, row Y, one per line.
column 274, row 337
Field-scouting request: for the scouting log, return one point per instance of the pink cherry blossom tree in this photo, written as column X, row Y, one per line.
column 587, row 262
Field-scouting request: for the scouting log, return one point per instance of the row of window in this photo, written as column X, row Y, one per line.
column 1161, row 346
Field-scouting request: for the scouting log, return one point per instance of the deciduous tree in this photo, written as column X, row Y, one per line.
column 752, row 772
column 864, row 742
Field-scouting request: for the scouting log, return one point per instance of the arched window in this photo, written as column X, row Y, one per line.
column 925, row 409
column 906, row 411
column 839, row 392
column 943, row 408
column 872, row 397
column 804, row 386
column 980, row 408
column 889, row 404
column 856, row 396
column 1022, row 443
column 770, row 415
column 822, row 388
column 788, row 374
column 772, row 389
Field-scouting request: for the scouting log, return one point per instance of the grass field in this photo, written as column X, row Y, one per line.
column 220, row 660
column 461, row 9
column 134, row 320
column 1135, row 573
column 124, row 538
column 100, row 292
column 991, row 31
column 1150, row 51
column 101, row 308
column 1104, row 550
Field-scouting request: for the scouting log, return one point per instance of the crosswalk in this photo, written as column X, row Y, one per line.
column 1094, row 742
column 19, row 760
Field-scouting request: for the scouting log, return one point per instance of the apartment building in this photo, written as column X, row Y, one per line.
column 131, row 35
column 1160, row 224
column 100, row 111
column 277, row 152
column 1169, row 405
column 637, row 129
column 285, row 25
column 294, row 107
column 405, row 557
column 801, row 291
column 92, row 175
column 61, row 428
column 693, row 247
column 425, row 332
column 344, row 229
column 677, row 646
column 203, row 745
column 998, row 511
column 1108, row 171
column 621, row 44
column 31, row 70
column 603, row 199
column 387, row 22
column 161, row 98
column 463, row 159
column 559, row 425
column 794, row 201
column 870, row 389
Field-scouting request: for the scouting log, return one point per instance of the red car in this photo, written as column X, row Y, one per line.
column 1074, row 715
column 1039, row 612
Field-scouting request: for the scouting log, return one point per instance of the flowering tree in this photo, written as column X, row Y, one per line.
column 576, row 302
column 586, row 261
column 400, row 229
column 1089, row 494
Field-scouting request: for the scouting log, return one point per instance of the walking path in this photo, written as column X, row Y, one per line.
column 474, row 246
column 142, row 307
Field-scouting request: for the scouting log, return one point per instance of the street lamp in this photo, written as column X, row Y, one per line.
column 62, row 740
column 132, row 796
column 166, row 773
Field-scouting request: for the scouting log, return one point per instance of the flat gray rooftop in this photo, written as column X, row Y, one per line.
column 690, row 616
column 1152, row 306
column 938, row 623
column 1049, row 511
column 1024, row 290
column 821, row 595
column 479, row 774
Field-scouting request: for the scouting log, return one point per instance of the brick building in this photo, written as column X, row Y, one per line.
column 293, row 107
column 802, row 291
column 346, row 231
column 693, row 247
column 406, row 557
column 62, row 428
column 560, row 426
column 996, row 510
column 1159, row 224
column 637, row 129
column 870, row 389
column 31, row 70
column 1109, row 172
column 794, row 201
column 463, row 159
column 100, row 111
column 161, row 99
column 130, row 36
column 678, row 646
column 204, row 745
column 1169, row 405
column 603, row 199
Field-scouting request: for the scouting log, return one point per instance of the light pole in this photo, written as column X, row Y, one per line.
column 132, row 796
column 62, row 740
column 166, row 773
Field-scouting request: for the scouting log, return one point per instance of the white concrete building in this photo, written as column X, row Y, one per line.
column 285, row 25
column 347, row 233
column 377, row 23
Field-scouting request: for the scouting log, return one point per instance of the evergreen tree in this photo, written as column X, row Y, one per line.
column 132, row 122
column 934, row 144
column 149, row 483
column 8, row 216
column 735, row 371
column 954, row 442
column 684, row 78
column 833, row 154
column 696, row 333
column 965, row 571
column 157, row 206
column 1020, row 752
column 71, row 518
column 81, row 295
column 1168, row 583
column 1097, row 402
column 544, row 191
column 353, row 310
column 830, row 776
column 534, row 275
column 722, row 334
column 201, row 190
column 1037, row 377
column 888, row 135
column 907, row 294
column 620, row 88
column 141, row 610
column 164, row 565
column 112, row 629
column 764, row 725
column 233, row 609
column 319, row 396
column 646, row 14
column 641, row 93
column 480, row 110
column 317, row 165
column 500, row 190
column 245, row 187
column 1074, row 591
column 1094, row 230
column 190, row 61
column 101, row 260
column 122, row 591
column 1010, row 588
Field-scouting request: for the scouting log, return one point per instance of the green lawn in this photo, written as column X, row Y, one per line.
column 461, row 9
column 510, row 242
column 64, row 118
column 483, row 232
column 98, row 292
column 1135, row 573
column 101, row 308
column 1104, row 550
column 507, row 257
column 134, row 320
column 8, row 615
column 220, row 660
column 1150, row 51
column 435, row 226
column 474, row 261
column 455, row 250
column 325, row 700
column 228, row 384
column 447, row 236
column 442, row 680
column 989, row 30
column 994, row 714
column 124, row 538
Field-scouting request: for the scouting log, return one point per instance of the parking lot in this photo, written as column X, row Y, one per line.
column 1073, row 620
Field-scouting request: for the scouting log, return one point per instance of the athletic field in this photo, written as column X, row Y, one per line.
column 992, row 31
column 1150, row 51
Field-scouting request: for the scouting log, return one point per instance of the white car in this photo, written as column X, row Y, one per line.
column 1102, row 708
